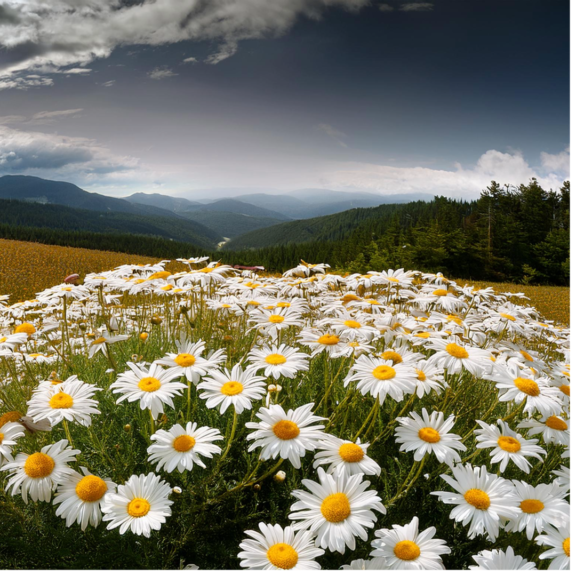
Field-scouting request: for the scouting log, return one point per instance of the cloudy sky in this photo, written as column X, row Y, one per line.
column 172, row 96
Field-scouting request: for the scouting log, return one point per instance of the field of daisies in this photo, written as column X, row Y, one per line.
column 214, row 419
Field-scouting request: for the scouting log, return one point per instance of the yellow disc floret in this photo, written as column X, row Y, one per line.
column 350, row 452
column 183, row 443
column 149, row 384
column 232, row 388
column 184, row 360
column 9, row 417
column 477, row 498
column 25, row 328
column 352, row 324
column 91, row 488
column 509, row 444
column 440, row 292
column 383, row 372
column 556, row 423
column 456, row 351
column 531, row 506
column 38, row 465
column 421, row 375
column 275, row 359
column 329, row 340
column 429, row 435
column 566, row 547
column 286, row 430
column 282, row 556
column 529, row 387
column 391, row 355
column 276, row 318
column 336, row 507
column 407, row 550
column 138, row 507
column 61, row 401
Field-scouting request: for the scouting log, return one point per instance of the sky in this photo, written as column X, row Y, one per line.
column 177, row 96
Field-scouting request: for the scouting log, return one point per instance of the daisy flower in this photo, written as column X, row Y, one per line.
column 237, row 388
column 345, row 456
column 189, row 361
column 403, row 548
column 559, row 542
column 319, row 341
column 499, row 560
column 380, row 378
column 562, row 477
column 508, row 445
column 428, row 434
column 38, row 474
column 80, row 497
column 10, row 341
column 102, row 340
column 554, row 430
column 401, row 353
column 336, row 510
column 373, row 564
column 428, row 378
column 278, row 361
column 452, row 355
column 351, row 327
column 277, row 548
column 141, row 505
column 289, row 434
column 273, row 321
column 482, row 500
column 9, row 433
column 153, row 387
column 182, row 447
column 541, row 507
column 71, row 400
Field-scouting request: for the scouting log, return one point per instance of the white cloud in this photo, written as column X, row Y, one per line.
column 160, row 73
column 44, row 117
column 504, row 167
column 43, row 36
column 190, row 60
column 417, row 7
column 334, row 133
column 109, row 84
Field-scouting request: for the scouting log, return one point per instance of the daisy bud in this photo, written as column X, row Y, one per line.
column 256, row 487
column 127, row 427
column 135, row 357
column 184, row 309
column 280, row 476
column 272, row 388
column 156, row 320
column 144, row 336
column 177, row 490
column 278, row 388
column 82, row 326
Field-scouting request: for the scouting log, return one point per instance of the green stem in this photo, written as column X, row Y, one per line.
column 67, row 432
column 368, row 418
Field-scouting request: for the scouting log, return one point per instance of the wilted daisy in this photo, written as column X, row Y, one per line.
column 559, row 542
column 345, row 456
column 189, row 360
column 71, row 400
column 541, row 506
column 80, row 497
column 381, row 378
column 38, row 474
column 278, row 361
column 337, row 510
column 237, row 387
column 428, row 434
column 482, row 500
column 141, row 505
column 288, row 434
column 182, row 447
column 403, row 548
column 277, row 548
column 9, row 433
column 153, row 387
column 554, row 429
column 508, row 445
column 499, row 560
column 454, row 356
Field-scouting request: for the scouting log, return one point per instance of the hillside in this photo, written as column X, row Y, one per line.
column 230, row 225
column 161, row 201
column 15, row 213
column 237, row 207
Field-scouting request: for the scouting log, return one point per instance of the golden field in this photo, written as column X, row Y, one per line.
column 27, row 268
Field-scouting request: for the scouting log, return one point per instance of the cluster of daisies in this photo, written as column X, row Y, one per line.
column 404, row 334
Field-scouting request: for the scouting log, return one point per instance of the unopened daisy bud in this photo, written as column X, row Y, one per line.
column 135, row 357
column 280, row 476
column 82, row 326
column 256, row 487
column 278, row 388
column 272, row 388
column 156, row 320
column 177, row 490
column 184, row 309
column 144, row 336
column 127, row 427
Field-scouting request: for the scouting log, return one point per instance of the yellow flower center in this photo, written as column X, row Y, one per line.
column 349, row 297
column 286, row 430
column 556, row 423
column 275, row 359
column 566, row 389
column 232, row 388
column 38, row 465
column 477, row 498
column 407, row 550
column 526, row 356
column 392, row 279
column 282, row 556
column 9, row 417
column 184, row 360
column 61, row 401
column 429, row 435
column 383, row 372
column 149, row 384
column 1, row 438
column 3, row 339
column 206, row 270
column 422, row 335
column 138, row 507
column 440, row 292
column 350, row 452
column 328, row 340
column 159, row 275
column 100, row 340
column 391, row 355
column 336, row 507
column 566, row 547
column 283, row 305
column 456, row 351
column 529, row 387
column 531, row 506
column 421, row 375
column 253, row 303
column 25, row 328
column 508, row 317
column 352, row 324
column 509, row 444
column 454, row 318
column 183, row 443
column 276, row 319
column 91, row 488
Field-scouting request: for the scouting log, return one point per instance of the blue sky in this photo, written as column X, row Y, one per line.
column 390, row 97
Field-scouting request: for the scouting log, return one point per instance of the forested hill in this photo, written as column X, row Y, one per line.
column 520, row 234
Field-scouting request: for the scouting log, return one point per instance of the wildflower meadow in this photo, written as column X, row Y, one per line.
column 221, row 420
